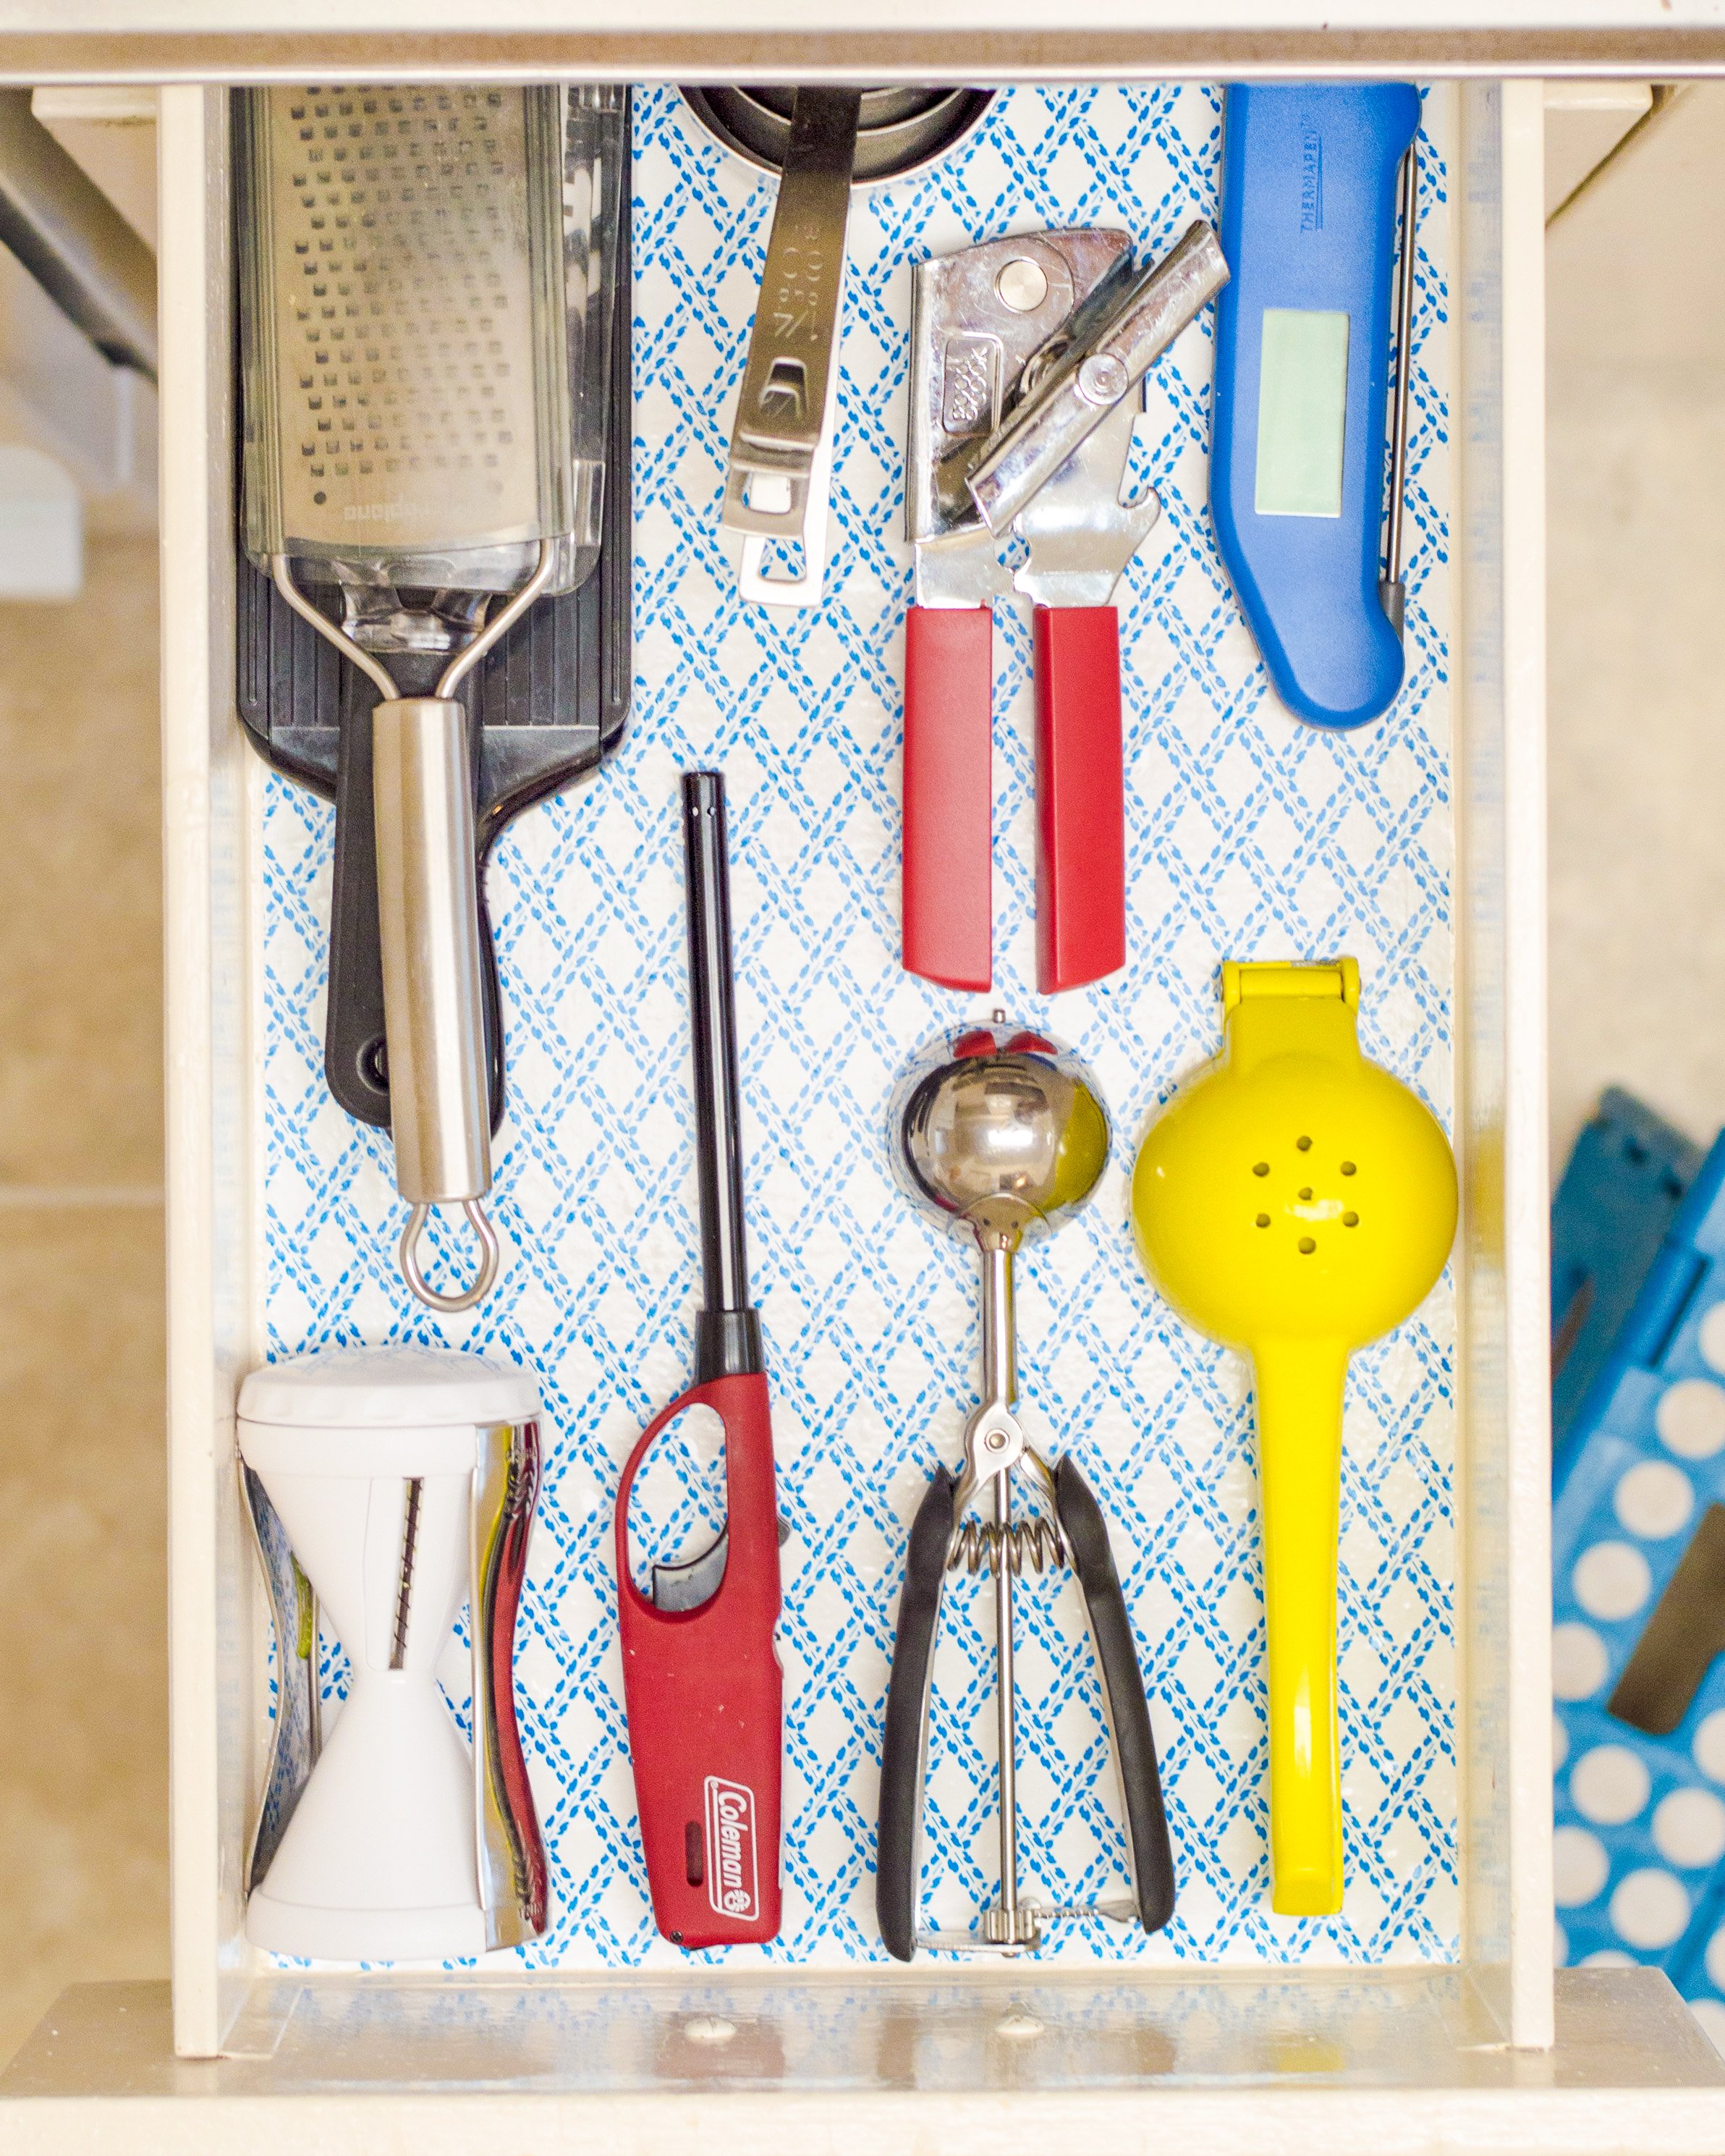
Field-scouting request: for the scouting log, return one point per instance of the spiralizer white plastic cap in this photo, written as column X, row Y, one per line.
column 366, row 1411
column 398, row 1388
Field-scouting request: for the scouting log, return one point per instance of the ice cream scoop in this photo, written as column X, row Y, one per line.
column 1295, row 1201
column 999, row 1138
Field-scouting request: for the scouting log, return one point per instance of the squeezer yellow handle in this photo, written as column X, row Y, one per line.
column 1300, row 1385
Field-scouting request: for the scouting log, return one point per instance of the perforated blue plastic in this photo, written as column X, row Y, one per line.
column 1625, row 1178
column 1641, row 1814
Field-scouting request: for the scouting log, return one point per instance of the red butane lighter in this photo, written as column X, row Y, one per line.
column 701, row 1682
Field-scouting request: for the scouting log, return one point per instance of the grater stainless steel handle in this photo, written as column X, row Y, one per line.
column 427, row 902
column 405, row 360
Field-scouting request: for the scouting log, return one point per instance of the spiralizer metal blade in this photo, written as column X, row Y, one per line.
column 1295, row 1202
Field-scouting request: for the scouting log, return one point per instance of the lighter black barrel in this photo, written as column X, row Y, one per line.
column 727, row 1333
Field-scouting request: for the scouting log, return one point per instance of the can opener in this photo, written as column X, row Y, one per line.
column 1028, row 359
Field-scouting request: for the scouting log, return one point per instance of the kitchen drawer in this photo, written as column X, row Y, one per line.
column 1289, row 2048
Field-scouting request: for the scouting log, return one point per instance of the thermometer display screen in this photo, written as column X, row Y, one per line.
column 1302, row 405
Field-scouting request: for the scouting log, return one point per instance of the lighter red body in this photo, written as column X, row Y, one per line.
column 705, row 1698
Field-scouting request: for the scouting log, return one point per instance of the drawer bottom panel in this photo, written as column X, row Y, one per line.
column 1249, row 835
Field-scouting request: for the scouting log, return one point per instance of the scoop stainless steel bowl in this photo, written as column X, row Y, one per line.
column 1000, row 1134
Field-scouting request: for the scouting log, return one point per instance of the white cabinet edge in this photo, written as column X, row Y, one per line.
column 1527, row 1195
column 644, row 18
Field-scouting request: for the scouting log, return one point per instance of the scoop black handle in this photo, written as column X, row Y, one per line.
column 901, row 1767
column 919, row 1608
column 1086, row 1539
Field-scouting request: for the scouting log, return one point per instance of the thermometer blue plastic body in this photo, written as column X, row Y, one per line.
column 1303, row 335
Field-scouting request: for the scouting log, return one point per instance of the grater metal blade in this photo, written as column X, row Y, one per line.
column 404, row 334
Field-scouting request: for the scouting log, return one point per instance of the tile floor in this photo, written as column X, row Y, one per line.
column 83, row 1570
column 1637, row 446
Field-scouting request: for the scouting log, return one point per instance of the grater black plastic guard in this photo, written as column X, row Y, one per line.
column 544, row 708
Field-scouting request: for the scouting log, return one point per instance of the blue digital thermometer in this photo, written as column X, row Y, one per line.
column 1303, row 334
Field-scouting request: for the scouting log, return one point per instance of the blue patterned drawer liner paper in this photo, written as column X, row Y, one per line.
column 1248, row 835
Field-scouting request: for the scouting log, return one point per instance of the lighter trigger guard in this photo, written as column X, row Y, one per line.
column 691, row 1582
column 683, row 1585
column 643, row 1444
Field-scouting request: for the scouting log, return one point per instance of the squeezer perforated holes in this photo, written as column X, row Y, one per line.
column 1305, row 1195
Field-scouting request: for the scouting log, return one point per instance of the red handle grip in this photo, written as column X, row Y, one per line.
column 949, row 795
column 1080, row 798
column 705, row 1697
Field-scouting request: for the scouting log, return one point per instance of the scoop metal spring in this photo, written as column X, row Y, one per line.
column 976, row 1544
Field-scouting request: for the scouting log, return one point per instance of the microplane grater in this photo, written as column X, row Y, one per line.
column 405, row 362
column 409, row 368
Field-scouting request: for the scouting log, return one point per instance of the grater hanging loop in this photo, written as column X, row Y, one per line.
column 407, row 1255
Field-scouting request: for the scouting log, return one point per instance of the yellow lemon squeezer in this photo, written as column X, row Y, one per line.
column 1295, row 1201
